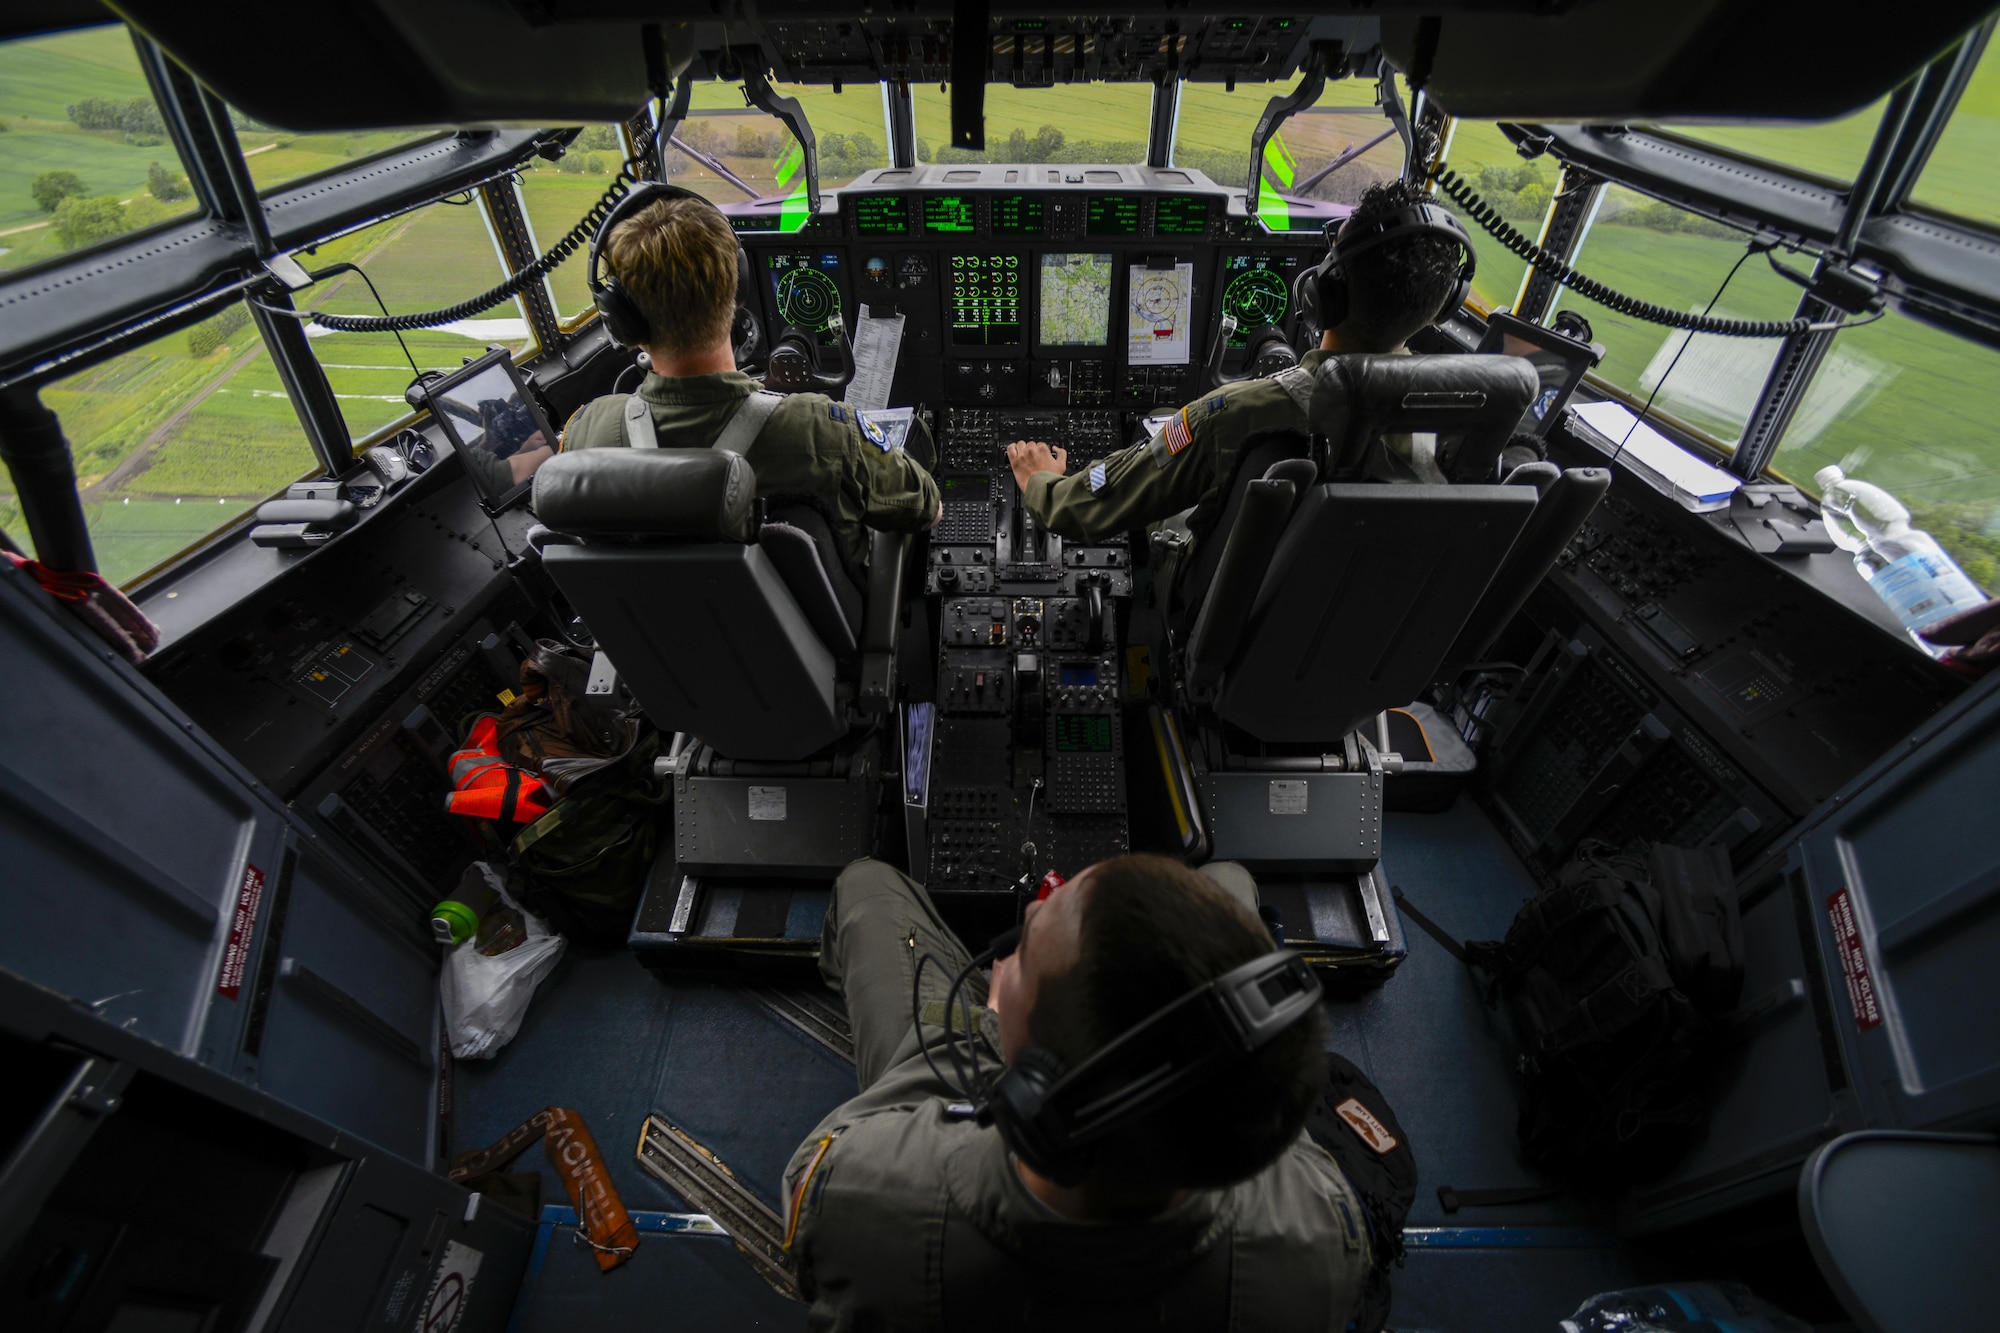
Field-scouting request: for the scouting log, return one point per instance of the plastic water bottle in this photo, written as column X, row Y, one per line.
column 1836, row 504
column 1904, row 565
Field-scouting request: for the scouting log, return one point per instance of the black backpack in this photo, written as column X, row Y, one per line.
column 1618, row 979
column 1353, row 1122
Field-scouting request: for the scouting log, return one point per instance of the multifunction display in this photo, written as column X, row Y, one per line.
column 1159, row 304
column 1181, row 215
column 1257, row 289
column 1114, row 215
column 1075, row 300
column 882, row 215
column 985, row 300
column 1017, row 215
column 807, row 290
column 949, row 213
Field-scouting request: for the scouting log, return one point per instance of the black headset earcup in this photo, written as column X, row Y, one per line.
column 622, row 319
column 1015, row 1106
column 1331, row 293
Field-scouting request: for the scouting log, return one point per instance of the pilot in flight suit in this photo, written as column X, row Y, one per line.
column 811, row 444
column 1395, row 288
column 903, row 1212
column 673, row 261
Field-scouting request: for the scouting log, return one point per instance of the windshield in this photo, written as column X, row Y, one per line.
column 1959, row 178
column 1831, row 150
column 1083, row 122
column 84, row 153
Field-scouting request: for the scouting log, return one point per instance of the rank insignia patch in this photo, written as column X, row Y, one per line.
column 836, row 411
column 1096, row 478
column 1215, row 404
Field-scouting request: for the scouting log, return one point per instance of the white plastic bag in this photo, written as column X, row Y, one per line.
column 485, row 999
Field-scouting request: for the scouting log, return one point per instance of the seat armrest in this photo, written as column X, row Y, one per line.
column 881, row 623
column 1246, row 556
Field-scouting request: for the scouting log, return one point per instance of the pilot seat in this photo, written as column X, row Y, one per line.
column 1320, row 601
column 770, row 663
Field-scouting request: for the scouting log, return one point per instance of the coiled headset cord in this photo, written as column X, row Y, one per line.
column 1549, row 266
column 573, row 240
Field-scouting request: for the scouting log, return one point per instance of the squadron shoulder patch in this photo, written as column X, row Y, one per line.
column 1096, row 478
column 873, row 430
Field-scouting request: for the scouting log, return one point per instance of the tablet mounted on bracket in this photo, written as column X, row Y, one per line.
column 494, row 425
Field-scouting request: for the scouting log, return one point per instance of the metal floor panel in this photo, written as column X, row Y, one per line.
column 607, row 1038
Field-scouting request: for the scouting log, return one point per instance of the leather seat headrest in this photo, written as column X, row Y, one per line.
column 695, row 494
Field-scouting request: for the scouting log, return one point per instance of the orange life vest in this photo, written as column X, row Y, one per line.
column 485, row 786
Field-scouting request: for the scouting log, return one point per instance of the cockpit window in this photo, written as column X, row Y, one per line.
column 1094, row 122
column 174, row 440
column 555, row 194
column 278, row 157
column 734, row 153
column 432, row 258
column 1909, row 408
column 1959, row 178
column 1831, row 150
column 1677, row 259
column 84, row 152
column 1519, row 188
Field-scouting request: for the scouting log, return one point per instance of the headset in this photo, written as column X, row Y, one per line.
column 1053, row 1117
column 623, row 319
column 1322, row 290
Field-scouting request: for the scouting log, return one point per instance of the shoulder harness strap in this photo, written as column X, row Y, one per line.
column 1297, row 382
column 639, row 431
column 739, row 436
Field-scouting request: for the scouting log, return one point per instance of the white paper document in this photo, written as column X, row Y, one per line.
column 895, row 424
column 877, row 342
column 1700, row 481
column 1159, row 307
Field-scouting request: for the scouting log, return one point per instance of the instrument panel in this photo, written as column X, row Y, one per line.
column 1068, row 295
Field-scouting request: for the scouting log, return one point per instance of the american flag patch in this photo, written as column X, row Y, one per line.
column 1176, row 436
column 1096, row 478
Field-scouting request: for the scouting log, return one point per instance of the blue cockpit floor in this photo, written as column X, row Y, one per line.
column 609, row 1040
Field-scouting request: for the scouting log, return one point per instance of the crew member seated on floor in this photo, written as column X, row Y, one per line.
column 1214, row 1209
column 675, row 260
column 1393, row 289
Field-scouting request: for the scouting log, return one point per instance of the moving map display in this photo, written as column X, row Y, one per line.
column 985, row 300
column 1076, row 300
column 1159, row 304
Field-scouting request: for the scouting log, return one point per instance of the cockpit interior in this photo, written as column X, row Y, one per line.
column 297, row 316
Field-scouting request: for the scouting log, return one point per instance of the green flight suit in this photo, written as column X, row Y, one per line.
column 811, row 444
column 1188, row 462
column 1191, row 460
column 902, row 1213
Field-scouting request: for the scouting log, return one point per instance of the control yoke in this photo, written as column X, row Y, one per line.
column 794, row 366
column 1265, row 352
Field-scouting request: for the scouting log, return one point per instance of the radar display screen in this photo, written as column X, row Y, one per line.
column 882, row 215
column 985, row 300
column 1181, row 215
column 948, row 212
column 1114, row 215
column 1257, row 289
column 807, row 291
column 1088, row 733
column 1017, row 215
column 1076, row 301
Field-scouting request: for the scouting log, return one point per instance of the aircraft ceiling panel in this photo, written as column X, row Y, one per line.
column 375, row 63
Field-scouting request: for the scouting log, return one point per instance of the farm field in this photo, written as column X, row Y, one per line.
column 172, row 441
